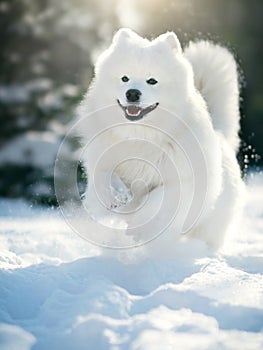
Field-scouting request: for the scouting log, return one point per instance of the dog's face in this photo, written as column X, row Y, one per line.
column 141, row 75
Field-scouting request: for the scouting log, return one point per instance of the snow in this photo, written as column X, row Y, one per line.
column 34, row 148
column 57, row 291
column 21, row 93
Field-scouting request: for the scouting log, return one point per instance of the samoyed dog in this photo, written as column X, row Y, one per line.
column 159, row 127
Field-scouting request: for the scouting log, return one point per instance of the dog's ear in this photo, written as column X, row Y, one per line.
column 122, row 35
column 171, row 39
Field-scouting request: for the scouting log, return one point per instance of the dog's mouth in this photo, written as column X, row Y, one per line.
column 134, row 112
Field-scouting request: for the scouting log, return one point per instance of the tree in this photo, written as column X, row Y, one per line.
column 46, row 56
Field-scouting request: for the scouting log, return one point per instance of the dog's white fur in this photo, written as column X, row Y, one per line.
column 200, row 86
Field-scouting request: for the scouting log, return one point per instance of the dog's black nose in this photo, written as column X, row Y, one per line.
column 133, row 95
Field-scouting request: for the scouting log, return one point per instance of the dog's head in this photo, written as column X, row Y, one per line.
column 140, row 75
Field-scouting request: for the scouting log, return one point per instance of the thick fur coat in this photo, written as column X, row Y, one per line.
column 174, row 106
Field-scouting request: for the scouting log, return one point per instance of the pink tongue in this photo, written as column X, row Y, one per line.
column 133, row 109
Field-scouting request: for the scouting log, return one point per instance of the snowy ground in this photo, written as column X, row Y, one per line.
column 59, row 292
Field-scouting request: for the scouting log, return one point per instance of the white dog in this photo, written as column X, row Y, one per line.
column 164, row 128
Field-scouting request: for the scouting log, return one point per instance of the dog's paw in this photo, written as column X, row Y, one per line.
column 120, row 199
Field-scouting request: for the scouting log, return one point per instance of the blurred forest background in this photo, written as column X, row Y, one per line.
column 48, row 49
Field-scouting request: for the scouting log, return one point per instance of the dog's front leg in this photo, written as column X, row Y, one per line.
column 121, row 195
column 106, row 192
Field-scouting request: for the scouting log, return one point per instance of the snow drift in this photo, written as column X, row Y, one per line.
column 59, row 292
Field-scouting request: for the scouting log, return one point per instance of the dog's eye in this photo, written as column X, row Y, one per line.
column 151, row 81
column 125, row 79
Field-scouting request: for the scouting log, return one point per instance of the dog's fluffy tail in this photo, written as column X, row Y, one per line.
column 216, row 77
